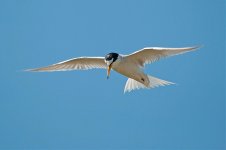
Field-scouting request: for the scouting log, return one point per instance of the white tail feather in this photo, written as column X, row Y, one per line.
column 132, row 84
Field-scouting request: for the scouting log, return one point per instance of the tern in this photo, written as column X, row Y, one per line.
column 131, row 65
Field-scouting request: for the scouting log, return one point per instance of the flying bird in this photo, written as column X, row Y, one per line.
column 131, row 65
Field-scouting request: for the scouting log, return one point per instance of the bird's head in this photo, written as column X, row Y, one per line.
column 109, row 60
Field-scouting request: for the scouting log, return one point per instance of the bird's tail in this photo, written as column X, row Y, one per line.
column 132, row 84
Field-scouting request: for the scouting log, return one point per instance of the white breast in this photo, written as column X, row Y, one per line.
column 128, row 68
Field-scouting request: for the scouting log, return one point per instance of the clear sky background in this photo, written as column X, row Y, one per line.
column 83, row 110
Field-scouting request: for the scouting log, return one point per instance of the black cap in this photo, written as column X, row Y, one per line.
column 110, row 56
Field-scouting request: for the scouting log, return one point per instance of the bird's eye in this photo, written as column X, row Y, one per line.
column 108, row 57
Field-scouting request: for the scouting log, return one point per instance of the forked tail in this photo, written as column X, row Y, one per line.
column 132, row 84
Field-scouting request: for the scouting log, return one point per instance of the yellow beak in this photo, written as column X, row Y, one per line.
column 109, row 71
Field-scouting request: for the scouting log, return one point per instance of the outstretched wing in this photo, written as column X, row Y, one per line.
column 80, row 63
column 152, row 54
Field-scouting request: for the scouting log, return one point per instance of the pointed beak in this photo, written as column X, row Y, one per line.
column 109, row 71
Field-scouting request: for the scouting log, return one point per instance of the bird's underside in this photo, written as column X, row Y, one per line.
column 128, row 65
column 132, row 84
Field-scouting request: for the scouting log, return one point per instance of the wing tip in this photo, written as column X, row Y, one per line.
column 192, row 47
column 29, row 70
column 196, row 47
column 38, row 70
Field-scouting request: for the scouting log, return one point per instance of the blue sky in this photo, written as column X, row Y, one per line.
column 83, row 110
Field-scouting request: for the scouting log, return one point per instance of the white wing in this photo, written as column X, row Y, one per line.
column 151, row 54
column 80, row 63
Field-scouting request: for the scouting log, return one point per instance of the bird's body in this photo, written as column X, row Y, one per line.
column 130, row 66
column 130, row 69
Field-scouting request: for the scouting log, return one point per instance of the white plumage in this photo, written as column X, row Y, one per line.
column 80, row 63
column 132, row 84
column 130, row 65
